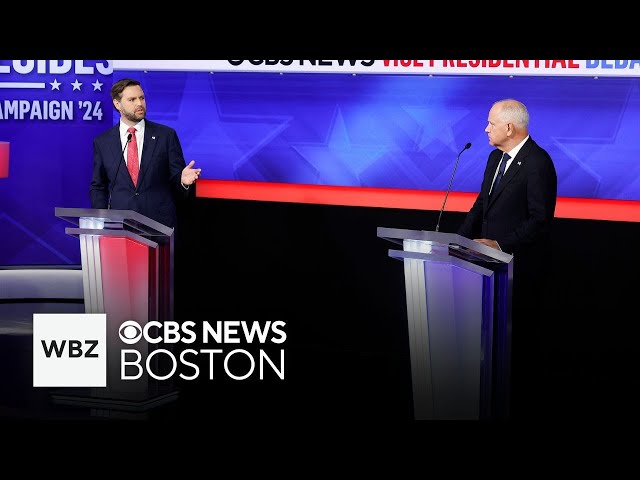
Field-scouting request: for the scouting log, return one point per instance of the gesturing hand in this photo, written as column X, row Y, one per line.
column 189, row 174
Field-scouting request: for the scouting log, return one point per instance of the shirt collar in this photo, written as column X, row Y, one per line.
column 124, row 128
column 514, row 151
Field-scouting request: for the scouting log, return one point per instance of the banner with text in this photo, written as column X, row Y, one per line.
column 50, row 110
column 619, row 68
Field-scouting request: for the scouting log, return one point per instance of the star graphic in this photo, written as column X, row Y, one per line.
column 55, row 85
column 76, row 85
column 429, row 161
column 435, row 126
column 239, row 140
column 342, row 159
column 97, row 85
column 602, row 163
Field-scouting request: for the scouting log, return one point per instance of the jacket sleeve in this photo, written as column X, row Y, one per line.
column 542, row 185
column 99, row 190
column 176, row 165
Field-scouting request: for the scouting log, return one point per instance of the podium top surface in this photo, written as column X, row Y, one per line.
column 116, row 219
column 464, row 246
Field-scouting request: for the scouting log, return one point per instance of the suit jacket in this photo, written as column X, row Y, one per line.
column 519, row 213
column 159, row 184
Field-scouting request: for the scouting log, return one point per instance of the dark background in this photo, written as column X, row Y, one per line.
column 323, row 271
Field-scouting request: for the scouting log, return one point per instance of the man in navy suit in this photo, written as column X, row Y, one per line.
column 160, row 178
column 514, row 212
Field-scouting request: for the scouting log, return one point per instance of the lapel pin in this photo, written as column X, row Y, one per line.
column 153, row 138
column 519, row 163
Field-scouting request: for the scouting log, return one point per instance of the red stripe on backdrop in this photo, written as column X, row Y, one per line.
column 580, row 208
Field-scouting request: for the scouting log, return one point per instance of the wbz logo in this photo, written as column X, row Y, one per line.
column 74, row 349
column 69, row 350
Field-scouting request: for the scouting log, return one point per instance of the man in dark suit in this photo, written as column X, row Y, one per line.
column 144, row 172
column 514, row 212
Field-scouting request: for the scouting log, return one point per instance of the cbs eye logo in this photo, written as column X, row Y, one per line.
column 130, row 332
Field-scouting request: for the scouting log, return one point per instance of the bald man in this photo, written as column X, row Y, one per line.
column 513, row 213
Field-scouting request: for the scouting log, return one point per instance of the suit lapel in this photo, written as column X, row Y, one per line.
column 491, row 171
column 512, row 171
column 150, row 139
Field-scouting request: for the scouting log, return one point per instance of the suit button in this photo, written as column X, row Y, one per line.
column 137, row 194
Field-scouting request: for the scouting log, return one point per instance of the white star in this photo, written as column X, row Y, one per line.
column 97, row 85
column 76, row 85
column 55, row 85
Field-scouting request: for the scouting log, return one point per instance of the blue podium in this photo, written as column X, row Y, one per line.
column 459, row 295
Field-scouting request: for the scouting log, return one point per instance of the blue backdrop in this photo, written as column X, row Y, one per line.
column 391, row 131
column 49, row 120
column 396, row 131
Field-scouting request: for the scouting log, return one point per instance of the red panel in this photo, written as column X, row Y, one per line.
column 125, row 279
column 4, row 159
column 582, row 208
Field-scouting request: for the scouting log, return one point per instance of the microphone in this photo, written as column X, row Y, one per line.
column 120, row 162
column 467, row 146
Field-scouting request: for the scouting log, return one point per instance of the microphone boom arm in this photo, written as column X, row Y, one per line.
column 113, row 184
column 455, row 166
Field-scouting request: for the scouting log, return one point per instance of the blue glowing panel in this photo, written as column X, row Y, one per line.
column 389, row 131
column 395, row 131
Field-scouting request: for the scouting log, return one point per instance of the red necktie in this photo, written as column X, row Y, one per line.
column 132, row 157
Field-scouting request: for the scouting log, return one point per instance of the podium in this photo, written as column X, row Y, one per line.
column 459, row 295
column 127, row 273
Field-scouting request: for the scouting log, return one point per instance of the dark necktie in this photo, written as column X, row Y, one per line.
column 503, row 164
column 132, row 157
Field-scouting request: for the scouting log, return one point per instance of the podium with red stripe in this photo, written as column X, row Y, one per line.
column 127, row 273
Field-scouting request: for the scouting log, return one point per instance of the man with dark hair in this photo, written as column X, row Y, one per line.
column 138, row 164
